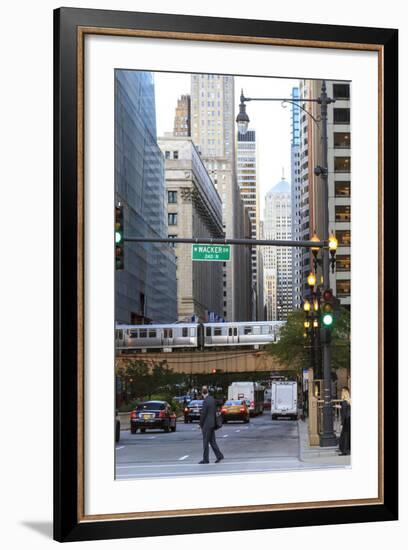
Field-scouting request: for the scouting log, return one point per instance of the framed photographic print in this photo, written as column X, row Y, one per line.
column 225, row 274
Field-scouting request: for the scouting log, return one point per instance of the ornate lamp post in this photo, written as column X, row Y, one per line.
column 328, row 437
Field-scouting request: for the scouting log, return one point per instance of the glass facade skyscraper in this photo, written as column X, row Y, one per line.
column 146, row 289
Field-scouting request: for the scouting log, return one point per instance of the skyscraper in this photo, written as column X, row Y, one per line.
column 182, row 118
column 145, row 291
column 194, row 208
column 278, row 260
column 296, row 200
column 212, row 130
column 246, row 176
column 339, row 180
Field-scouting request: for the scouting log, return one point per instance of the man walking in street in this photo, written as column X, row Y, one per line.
column 207, row 424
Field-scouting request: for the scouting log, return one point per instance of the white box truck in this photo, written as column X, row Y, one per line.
column 250, row 391
column 284, row 400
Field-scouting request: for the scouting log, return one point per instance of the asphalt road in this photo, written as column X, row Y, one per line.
column 262, row 445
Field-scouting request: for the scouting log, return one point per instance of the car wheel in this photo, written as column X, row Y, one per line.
column 273, row 417
column 117, row 431
column 173, row 429
column 186, row 421
column 142, row 430
column 166, row 428
column 246, row 420
column 133, row 430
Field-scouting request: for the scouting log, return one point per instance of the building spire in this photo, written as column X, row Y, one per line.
column 283, row 172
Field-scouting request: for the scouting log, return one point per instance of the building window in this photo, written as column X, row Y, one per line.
column 342, row 140
column 175, row 155
column 341, row 91
column 342, row 188
column 172, row 197
column 342, row 164
column 173, row 245
column 343, row 262
column 341, row 116
column 342, row 213
column 167, row 154
column 343, row 288
column 343, row 237
column 172, row 219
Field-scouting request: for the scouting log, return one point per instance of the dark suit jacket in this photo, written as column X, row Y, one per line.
column 208, row 412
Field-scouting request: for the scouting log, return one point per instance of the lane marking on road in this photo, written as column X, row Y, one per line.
column 119, row 448
column 224, row 463
column 152, row 437
column 225, row 435
column 184, row 457
column 237, row 431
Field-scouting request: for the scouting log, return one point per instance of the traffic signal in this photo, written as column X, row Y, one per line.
column 327, row 308
column 119, row 250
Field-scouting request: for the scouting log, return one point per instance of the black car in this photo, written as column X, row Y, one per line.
column 193, row 410
column 153, row 415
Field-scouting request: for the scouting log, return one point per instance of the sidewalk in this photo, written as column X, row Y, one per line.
column 318, row 455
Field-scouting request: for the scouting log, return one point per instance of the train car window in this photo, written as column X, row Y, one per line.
column 133, row 333
column 119, row 335
column 143, row 333
column 235, row 331
column 152, row 334
column 192, row 332
column 185, row 332
column 247, row 330
column 171, row 333
column 230, row 332
column 257, row 330
column 266, row 329
column 217, row 331
column 208, row 331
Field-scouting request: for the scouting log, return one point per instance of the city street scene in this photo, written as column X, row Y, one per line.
column 232, row 274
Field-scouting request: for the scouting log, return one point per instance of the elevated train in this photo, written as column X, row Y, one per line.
column 196, row 335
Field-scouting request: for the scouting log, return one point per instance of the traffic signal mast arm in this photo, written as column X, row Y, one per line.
column 248, row 242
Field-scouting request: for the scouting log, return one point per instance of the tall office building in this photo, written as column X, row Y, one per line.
column 212, row 130
column 296, row 200
column 194, row 208
column 145, row 291
column 277, row 259
column 339, row 180
column 182, row 117
column 247, row 182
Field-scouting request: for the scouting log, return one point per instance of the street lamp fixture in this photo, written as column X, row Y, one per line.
column 306, row 306
column 242, row 119
column 333, row 243
column 311, row 279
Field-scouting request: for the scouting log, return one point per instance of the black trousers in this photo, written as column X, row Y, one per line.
column 209, row 439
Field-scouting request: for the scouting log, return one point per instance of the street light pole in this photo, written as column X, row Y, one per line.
column 328, row 437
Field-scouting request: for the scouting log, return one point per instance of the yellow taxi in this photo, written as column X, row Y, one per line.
column 235, row 409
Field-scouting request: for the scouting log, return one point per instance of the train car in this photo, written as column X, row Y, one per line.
column 132, row 337
column 252, row 333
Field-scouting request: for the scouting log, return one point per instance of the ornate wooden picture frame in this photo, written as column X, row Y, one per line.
column 72, row 521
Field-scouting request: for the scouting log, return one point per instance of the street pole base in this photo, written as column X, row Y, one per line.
column 328, row 440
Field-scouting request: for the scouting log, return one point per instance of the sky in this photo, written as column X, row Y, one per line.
column 271, row 121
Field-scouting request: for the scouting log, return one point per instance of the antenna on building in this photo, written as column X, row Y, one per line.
column 283, row 172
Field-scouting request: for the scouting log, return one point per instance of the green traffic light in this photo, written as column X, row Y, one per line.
column 118, row 237
column 327, row 319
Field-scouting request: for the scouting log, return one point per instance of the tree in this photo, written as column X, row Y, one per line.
column 293, row 351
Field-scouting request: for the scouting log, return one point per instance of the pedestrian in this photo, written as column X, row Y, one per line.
column 207, row 425
column 345, row 415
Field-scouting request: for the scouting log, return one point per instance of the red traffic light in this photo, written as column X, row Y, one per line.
column 328, row 295
column 213, row 371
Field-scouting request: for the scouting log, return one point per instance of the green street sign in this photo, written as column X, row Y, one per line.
column 211, row 252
